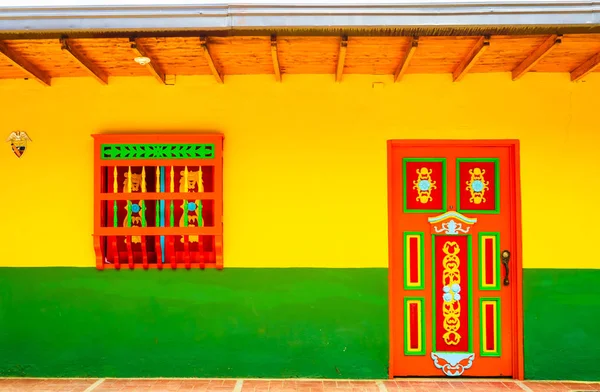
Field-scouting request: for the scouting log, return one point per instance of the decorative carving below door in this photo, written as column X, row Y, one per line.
column 453, row 364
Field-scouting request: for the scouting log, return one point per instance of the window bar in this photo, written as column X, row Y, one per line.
column 171, row 251
column 157, row 244
column 142, row 202
column 129, row 238
column 200, row 238
column 144, row 222
column 201, row 255
column 115, row 190
column 113, row 239
column 218, row 241
column 171, row 238
column 128, row 200
column 172, row 212
column 157, row 217
column 162, row 212
column 186, row 238
column 158, row 251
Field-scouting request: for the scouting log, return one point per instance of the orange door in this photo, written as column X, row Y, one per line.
column 454, row 279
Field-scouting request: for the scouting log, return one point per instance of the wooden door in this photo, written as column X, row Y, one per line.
column 454, row 276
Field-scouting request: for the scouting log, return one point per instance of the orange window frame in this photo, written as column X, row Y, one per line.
column 158, row 201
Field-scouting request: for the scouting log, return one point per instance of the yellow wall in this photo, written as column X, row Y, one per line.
column 305, row 160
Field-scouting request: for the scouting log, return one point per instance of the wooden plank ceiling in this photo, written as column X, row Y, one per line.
column 102, row 58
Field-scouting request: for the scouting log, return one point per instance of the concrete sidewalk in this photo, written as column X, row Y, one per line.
column 289, row 385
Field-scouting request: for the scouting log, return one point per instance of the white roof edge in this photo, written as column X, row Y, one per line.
column 35, row 19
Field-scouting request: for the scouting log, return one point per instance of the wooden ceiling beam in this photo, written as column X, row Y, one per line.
column 211, row 64
column 139, row 51
column 542, row 51
column 31, row 70
column 401, row 70
column 588, row 66
column 341, row 58
column 90, row 67
column 275, row 57
column 471, row 58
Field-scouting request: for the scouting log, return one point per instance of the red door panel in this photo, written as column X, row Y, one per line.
column 452, row 214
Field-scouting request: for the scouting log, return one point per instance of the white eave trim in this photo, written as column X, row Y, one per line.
column 398, row 14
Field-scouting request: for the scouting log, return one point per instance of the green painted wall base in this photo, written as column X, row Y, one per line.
column 562, row 324
column 78, row 322
column 75, row 322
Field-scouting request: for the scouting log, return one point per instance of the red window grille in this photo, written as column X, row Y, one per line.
column 158, row 201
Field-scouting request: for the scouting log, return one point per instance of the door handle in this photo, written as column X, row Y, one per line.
column 505, row 257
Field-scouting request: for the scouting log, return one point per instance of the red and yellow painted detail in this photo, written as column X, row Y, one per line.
column 414, row 320
column 489, row 261
column 452, row 320
column 451, row 222
column 478, row 185
column 133, row 183
column 191, row 181
column 425, row 184
column 490, row 327
column 414, row 261
column 451, row 306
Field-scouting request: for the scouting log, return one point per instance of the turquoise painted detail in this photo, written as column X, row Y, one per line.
column 453, row 364
column 424, row 185
column 452, row 227
column 477, row 185
column 452, row 214
column 451, row 293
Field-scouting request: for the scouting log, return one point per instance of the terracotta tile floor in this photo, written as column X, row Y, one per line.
column 408, row 385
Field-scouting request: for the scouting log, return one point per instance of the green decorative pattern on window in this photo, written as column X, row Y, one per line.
column 158, row 151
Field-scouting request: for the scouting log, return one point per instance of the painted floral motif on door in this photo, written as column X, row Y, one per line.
column 478, row 187
column 425, row 185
